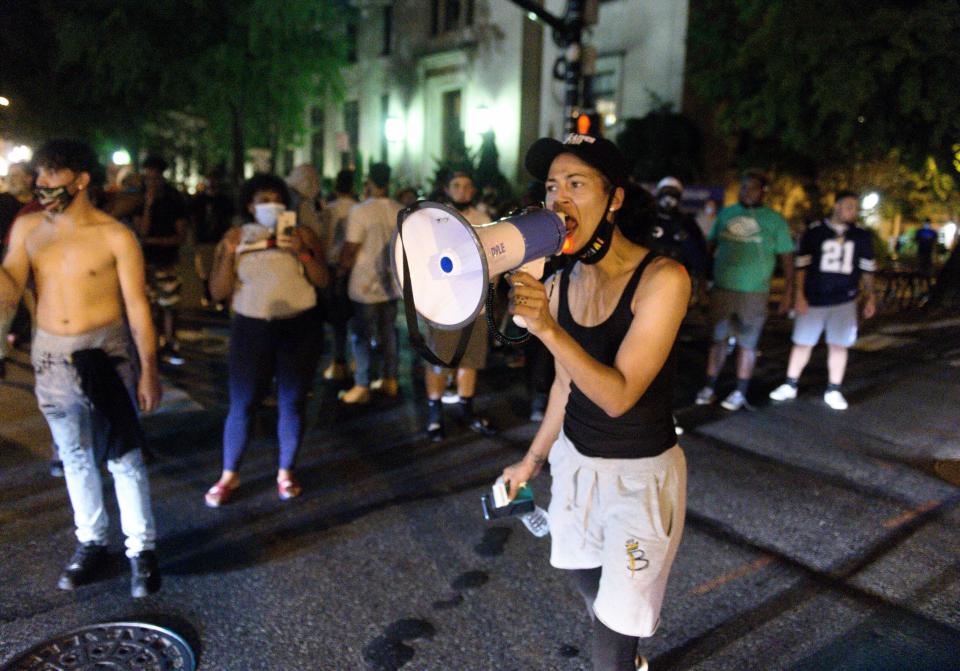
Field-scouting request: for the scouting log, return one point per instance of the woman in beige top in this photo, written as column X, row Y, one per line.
column 269, row 268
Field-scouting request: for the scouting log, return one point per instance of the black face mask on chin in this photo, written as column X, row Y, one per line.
column 599, row 243
column 462, row 207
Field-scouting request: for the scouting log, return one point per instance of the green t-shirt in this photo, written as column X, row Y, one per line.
column 748, row 242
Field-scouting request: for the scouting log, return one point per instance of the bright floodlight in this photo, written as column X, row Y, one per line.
column 20, row 153
column 393, row 129
column 484, row 118
column 4, row 101
column 949, row 233
column 121, row 157
column 870, row 201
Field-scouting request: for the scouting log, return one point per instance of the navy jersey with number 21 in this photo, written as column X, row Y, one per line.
column 833, row 261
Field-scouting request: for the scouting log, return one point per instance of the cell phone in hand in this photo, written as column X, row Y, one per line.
column 496, row 504
column 286, row 224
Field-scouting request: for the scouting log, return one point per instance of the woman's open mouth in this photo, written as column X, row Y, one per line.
column 571, row 225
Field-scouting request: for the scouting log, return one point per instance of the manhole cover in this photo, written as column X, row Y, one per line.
column 113, row 646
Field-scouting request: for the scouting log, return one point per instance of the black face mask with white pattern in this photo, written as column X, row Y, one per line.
column 55, row 199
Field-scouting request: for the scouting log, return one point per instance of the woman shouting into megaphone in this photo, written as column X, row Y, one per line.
column 618, row 492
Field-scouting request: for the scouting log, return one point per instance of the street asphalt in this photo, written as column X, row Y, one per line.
column 815, row 539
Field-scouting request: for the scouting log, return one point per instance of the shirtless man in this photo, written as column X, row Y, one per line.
column 89, row 274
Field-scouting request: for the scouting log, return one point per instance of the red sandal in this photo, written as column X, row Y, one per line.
column 219, row 495
column 288, row 488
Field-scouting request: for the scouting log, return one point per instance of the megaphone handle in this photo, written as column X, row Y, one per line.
column 492, row 326
column 535, row 269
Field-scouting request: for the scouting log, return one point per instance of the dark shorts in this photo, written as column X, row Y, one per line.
column 738, row 313
column 444, row 343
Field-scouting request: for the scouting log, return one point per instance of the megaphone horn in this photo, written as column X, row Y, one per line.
column 451, row 262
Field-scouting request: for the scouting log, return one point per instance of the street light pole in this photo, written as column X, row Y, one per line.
column 569, row 29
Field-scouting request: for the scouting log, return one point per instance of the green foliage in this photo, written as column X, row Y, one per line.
column 661, row 143
column 827, row 81
column 928, row 192
column 246, row 69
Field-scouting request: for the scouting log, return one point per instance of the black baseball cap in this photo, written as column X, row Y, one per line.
column 597, row 152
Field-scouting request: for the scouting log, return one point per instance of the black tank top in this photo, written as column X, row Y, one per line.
column 647, row 429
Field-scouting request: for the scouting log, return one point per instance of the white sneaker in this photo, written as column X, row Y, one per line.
column 835, row 400
column 706, row 396
column 734, row 401
column 784, row 392
column 450, row 397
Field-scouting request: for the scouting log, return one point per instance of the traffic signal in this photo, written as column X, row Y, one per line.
column 588, row 123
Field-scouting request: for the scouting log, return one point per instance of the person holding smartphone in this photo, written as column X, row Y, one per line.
column 269, row 268
column 618, row 492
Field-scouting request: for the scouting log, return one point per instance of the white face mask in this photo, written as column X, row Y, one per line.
column 266, row 213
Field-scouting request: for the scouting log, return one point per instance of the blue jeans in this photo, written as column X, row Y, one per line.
column 374, row 320
column 259, row 350
column 76, row 427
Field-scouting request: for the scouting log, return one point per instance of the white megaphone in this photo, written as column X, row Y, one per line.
column 451, row 262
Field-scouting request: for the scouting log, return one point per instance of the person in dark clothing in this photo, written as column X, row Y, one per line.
column 338, row 309
column 610, row 321
column 675, row 233
column 19, row 192
column 162, row 224
column 211, row 213
column 926, row 239
column 19, row 195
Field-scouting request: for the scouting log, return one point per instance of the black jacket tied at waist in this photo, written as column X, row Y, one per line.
column 106, row 391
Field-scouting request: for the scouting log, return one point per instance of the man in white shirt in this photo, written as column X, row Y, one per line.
column 372, row 289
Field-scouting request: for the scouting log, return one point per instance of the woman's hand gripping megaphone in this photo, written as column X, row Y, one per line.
column 529, row 300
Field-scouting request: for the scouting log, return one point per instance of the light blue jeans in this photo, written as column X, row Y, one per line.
column 76, row 427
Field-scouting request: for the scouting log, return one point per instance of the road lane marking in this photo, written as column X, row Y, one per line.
column 746, row 569
column 909, row 515
column 920, row 326
column 874, row 342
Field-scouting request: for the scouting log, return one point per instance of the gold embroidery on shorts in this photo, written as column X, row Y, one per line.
column 636, row 557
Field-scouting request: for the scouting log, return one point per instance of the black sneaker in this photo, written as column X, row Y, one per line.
column 86, row 562
column 170, row 353
column 435, row 432
column 482, row 426
column 144, row 574
column 56, row 468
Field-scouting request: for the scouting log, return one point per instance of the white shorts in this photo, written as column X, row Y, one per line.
column 626, row 516
column 839, row 321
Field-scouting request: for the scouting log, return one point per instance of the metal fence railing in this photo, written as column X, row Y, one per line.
column 902, row 289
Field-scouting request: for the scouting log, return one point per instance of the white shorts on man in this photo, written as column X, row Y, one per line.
column 839, row 322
